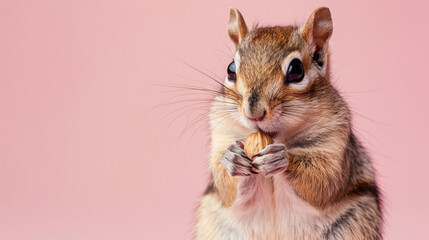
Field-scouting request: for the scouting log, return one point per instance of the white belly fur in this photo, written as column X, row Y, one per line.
column 266, row 213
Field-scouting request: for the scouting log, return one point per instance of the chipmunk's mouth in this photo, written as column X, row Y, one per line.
column 271, row 134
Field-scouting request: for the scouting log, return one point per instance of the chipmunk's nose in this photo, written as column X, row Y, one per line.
column 253, row 109
column 255, row 116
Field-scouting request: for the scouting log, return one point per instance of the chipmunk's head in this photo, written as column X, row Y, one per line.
column 279, row 74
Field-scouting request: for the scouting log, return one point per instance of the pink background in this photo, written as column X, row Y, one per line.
column 89, row 150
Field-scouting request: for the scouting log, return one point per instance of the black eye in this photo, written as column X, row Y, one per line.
column 231, row 72
column 295, row 71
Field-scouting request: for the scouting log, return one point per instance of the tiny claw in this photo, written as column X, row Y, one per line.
column 252, row 171
column 240, row 144
column 255, row 169
column 255, row 166
column 256, row 155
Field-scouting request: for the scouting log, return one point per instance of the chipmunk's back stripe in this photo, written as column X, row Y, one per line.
column 364, row 188
column 343, row 221
column 367, row 188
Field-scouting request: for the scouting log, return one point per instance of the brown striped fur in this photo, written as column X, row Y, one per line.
column 328, row 190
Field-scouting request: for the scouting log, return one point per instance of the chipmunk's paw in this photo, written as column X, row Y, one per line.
column 271, row 160
column 236, row 161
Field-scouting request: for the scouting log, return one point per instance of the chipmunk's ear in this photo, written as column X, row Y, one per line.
column 317, row 31
column 237, row 28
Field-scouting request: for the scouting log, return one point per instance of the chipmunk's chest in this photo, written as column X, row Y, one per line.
column 275, row 212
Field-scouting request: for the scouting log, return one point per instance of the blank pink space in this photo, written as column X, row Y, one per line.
column 86, row 154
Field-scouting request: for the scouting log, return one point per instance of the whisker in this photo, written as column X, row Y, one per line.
column 210, row 77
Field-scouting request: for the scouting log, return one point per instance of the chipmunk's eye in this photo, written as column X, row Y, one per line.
column 295, row 71
column 231, row 72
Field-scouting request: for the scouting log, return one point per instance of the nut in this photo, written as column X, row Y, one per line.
column 255, row 142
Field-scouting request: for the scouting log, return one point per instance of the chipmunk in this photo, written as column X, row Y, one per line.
column 316, row 180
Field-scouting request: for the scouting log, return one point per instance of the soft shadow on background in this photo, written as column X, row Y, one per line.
column 98, row 141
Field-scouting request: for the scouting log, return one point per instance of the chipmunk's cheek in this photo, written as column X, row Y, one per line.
column 291, row 122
